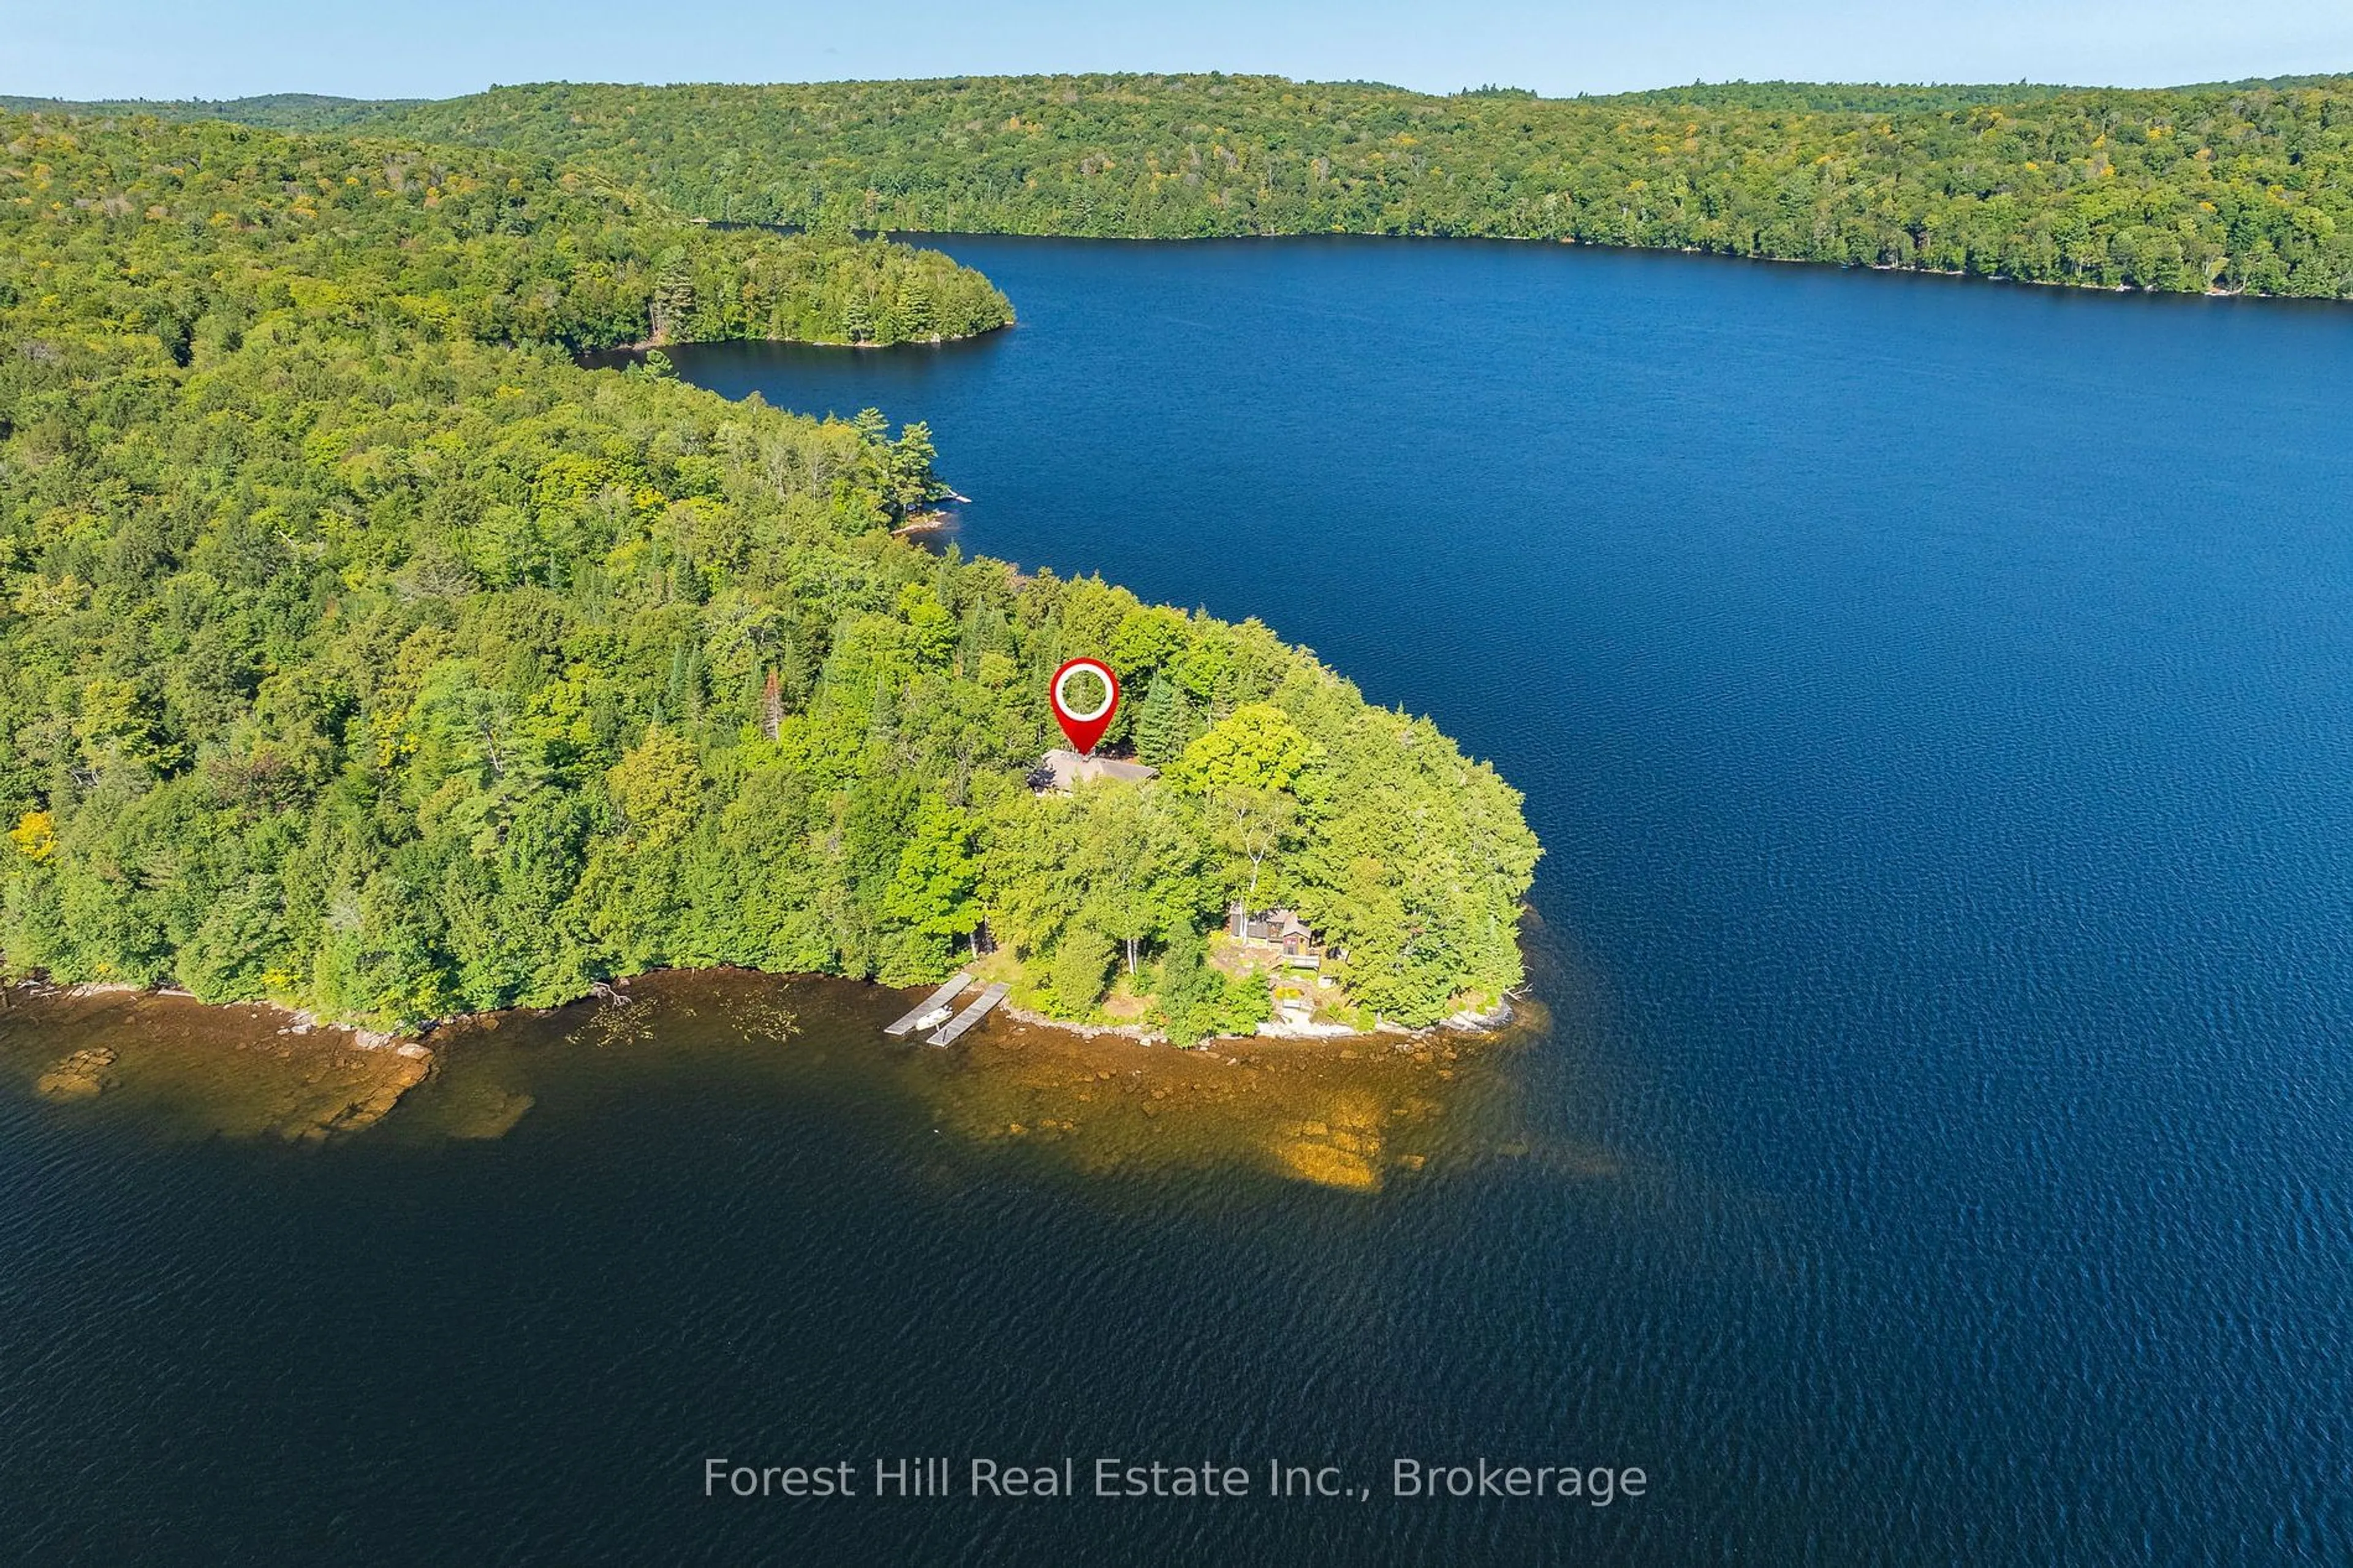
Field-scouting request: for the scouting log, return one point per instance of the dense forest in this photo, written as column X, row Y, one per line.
column 2239, row 186
column 195, row 228
column 360, row 650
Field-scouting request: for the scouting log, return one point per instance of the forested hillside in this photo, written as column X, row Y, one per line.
column 277, row 110
column 2242, row 186
column 193, row 227
column 360, row 650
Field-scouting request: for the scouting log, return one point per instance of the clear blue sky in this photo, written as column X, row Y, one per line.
column 217, row 48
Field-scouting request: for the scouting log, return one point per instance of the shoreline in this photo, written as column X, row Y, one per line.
column 298, row 1020
column 647, row 345
column 1954, row 274
column 614, row 993
column 1348, row 1115
column 239, row 1068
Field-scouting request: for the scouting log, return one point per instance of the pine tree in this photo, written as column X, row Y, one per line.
column 674, row 295
column 1163, row 724
column 912, row 482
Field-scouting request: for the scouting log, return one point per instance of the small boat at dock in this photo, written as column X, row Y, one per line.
column 932, row 1010
column 948, row 1034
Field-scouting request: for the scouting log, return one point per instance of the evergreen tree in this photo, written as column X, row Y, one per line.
column 910, row 482
column 1163, row 724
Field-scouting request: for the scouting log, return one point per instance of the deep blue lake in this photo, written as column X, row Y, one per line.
column 1936, row 703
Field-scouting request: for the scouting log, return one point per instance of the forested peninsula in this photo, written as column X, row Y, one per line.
column 362, row 652
column 2235, row 186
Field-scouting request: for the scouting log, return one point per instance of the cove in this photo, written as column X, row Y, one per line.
column 1934, row 699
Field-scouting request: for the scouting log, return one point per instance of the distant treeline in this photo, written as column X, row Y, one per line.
column 275, row 110
column 2236, row 186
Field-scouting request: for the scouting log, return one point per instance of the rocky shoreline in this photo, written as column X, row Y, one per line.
column 238, row 1069
column 298, row 1020
column 412, row 1043
column 1347, row 1113
column 1492, row 1021
column 260, row 1069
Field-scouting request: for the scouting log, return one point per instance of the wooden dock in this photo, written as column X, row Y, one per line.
column 950, row 1032
column 934, row 1009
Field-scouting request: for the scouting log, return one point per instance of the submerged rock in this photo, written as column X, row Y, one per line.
column 1326, row 1166
column 81, row 1076
column 200, row 1072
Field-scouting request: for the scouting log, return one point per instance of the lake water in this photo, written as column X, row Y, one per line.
column 1937, row 702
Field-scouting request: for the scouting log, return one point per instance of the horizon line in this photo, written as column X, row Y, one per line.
column 30, row 99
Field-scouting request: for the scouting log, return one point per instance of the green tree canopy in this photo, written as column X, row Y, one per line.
column 1256, row 747
column 935, row 892
column 361, row 650
column 2236, row 185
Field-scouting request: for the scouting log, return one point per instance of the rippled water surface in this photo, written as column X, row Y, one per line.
column 1937, row 701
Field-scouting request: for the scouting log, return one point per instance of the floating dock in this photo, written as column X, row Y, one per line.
column 950, row 1032
column 934, row 1009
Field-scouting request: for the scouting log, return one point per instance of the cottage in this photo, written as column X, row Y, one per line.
column 1060, row 770
column 1279, row 929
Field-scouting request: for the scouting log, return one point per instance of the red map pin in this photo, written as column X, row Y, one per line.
column 1086, row 729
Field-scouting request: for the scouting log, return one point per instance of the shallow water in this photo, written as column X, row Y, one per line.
column 1937, row 701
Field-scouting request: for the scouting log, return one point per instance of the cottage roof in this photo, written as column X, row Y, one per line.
column 1276, row 924
column 1062, row 768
